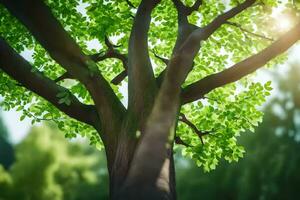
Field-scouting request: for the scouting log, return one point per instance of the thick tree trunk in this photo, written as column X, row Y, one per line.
column 122, row 160
column 118, row 167
column 164, row 187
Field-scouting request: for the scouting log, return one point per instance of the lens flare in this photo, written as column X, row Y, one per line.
column 283, row 17
column 284, row 23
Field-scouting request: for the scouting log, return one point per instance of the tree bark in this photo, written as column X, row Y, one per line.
column 163, row 189
column 119, row 164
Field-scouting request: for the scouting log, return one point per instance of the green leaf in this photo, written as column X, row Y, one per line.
column 22, row 117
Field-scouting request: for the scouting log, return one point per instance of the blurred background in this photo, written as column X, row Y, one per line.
column 38, row 163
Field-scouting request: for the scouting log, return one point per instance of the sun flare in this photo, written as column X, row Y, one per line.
column 284, row 23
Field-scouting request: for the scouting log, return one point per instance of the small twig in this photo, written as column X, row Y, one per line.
column 109, row 44
column 65, row 75
column 29, row 114
column 212, row 99
column 164, row 60
column 248, row 121
column 193, row 127
column 130, row 4
column 178, row 140
column 249, row 32
column 45, row 119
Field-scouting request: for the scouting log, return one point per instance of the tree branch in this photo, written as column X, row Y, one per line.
column 112, row 52
column 178, row 140
column 64, row 76
column 193, row 127
column 191, row 44
column 160, row 77
column 198, row 89
column 141, row 81
column 189, row 38
column 37, row 17
column 208, row 30
column 185, row 10
column 19, row 69
column 249, row 32
column 130, row 4
column 164, row 60
column 119, row 78
column 195, row 7
column 184, row 27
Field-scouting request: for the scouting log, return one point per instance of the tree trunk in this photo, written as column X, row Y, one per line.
column 118, row 167
column 121, row 164
column 162, row 189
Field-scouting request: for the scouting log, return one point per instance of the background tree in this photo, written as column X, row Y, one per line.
column 6, row 149
column 49, row 167
column 138, row 138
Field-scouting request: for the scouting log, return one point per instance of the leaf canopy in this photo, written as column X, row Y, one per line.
column 224, row 112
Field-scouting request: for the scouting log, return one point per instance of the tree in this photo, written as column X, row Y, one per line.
column 165, row 104
column 6, row 149
column 49, row 167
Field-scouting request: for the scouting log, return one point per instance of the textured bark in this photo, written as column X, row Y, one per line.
column 164, row 188
column 141, row 81
column 160, row 187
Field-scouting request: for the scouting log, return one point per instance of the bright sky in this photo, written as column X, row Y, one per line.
column 18, row 129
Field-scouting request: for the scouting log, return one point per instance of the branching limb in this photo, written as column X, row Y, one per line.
column 188, row 41
column 164, row 60
column 19, row 69
column 141, row 81
column 160, row 77
column 119, row 78
column 112, row 52
column 201, row 34
column 184, row 27
column 193, row 127
column 194, row 7
column 64, row 76
column 198, row 89
column 190, row 36
column 130, row 4
column 249, row 32
column 178, row 140
column 185, row 10
column 37, row 17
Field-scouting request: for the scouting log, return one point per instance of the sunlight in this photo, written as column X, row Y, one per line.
column 284, row 23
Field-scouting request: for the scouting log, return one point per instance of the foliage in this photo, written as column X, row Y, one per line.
column 228, row 110
column 49, row 167
column 270, row 169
